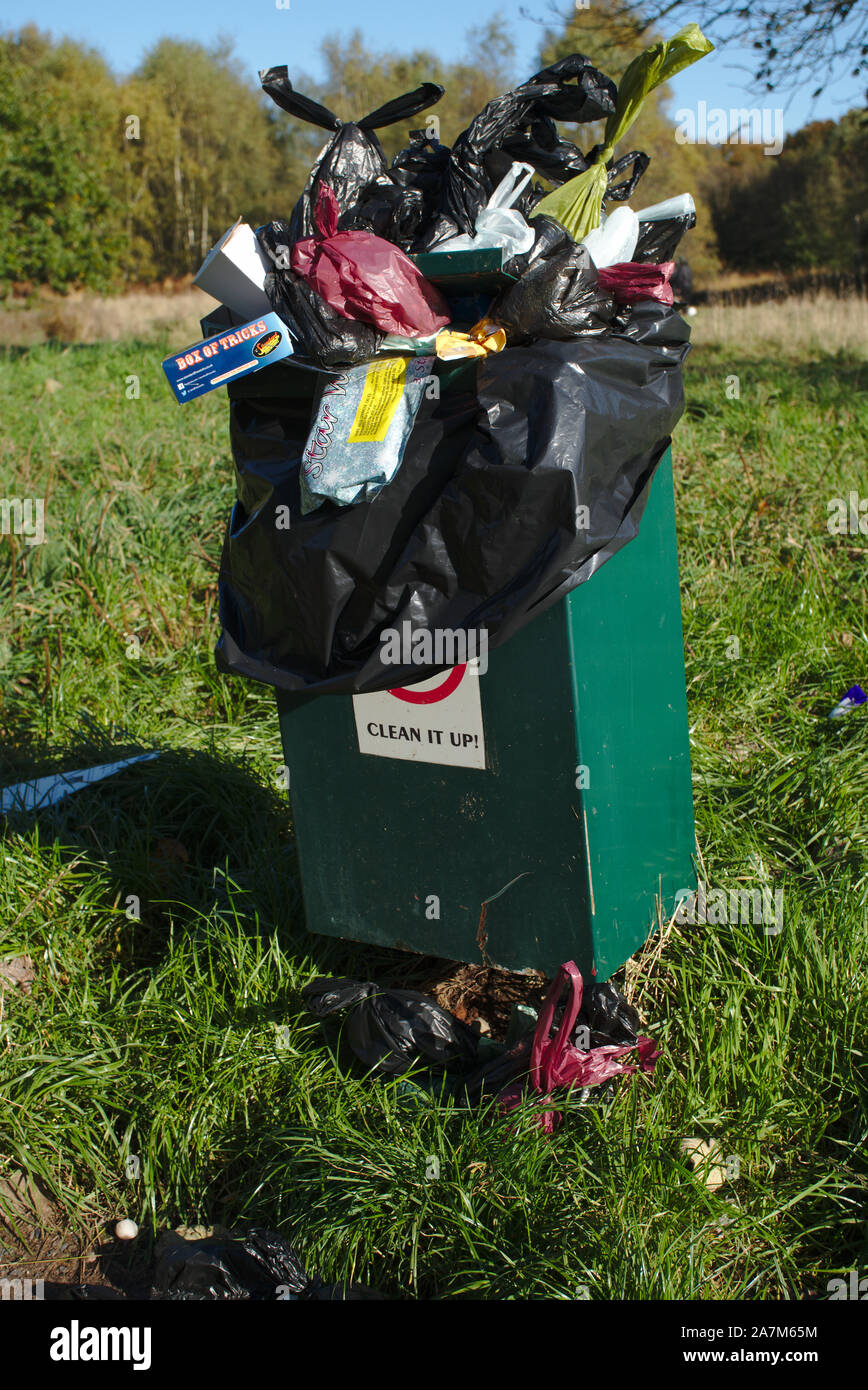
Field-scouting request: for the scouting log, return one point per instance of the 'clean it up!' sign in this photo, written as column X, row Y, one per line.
column 437, row 721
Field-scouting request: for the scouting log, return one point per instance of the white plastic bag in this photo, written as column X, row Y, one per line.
column 614, row 241
column 499, row 223
column 682, row 206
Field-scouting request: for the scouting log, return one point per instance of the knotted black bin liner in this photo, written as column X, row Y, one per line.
column 482, row 527
column 354, row 156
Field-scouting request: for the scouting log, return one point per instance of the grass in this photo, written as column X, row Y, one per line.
column 173, row 1033
column 799, row 327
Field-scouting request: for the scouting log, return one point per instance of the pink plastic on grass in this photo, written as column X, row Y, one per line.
column 556, row 1061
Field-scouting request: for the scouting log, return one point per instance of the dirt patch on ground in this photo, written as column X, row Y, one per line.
column 472, row 992
column 480, row 993
column 44, row 1261
column 41, row 1258
column 53, row 1264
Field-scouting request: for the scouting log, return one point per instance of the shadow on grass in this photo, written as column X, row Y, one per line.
column 173, row 838
column 165, row 836
column 156, row 1035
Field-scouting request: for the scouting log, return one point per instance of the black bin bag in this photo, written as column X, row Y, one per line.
column 390, row 1030
column 520, row 125
column 658, row 240
column 324, row 335
column 354, row 156
column 557, row 295
column 483, row 525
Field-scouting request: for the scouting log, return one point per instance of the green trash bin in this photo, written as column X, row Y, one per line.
column 536, row 813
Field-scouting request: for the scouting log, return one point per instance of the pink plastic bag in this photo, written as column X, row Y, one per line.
column 629, row 281
column 364, row 277
column 557, row 1062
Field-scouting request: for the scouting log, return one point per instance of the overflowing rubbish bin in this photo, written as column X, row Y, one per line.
column 559, row 822
column 453, row 548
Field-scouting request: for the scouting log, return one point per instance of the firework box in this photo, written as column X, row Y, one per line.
column 229, row 354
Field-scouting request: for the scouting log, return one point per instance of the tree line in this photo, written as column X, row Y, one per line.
column 804, row 211
column 108, row 182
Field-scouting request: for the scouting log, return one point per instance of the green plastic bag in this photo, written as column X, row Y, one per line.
column 578, row 204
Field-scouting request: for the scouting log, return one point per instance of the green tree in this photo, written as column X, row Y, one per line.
column 206, row 153
column 804, row 210
column 61, row 215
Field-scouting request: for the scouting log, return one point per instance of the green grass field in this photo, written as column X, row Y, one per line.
column 178, row 1038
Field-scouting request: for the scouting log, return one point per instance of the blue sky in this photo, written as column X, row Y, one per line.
column 265, row 35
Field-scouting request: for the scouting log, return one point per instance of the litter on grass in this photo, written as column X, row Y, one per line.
column 393, row 1030
column 48, row 791
column 17, row 973
column 261, row 1266
column 706, row 1159
column 568, row 1058
column 850, row 700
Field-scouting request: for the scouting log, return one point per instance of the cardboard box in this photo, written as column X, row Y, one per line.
column 233, row 353
column 234, row 272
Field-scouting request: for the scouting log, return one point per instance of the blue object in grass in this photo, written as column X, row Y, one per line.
column 853, row 698
column 47, row 791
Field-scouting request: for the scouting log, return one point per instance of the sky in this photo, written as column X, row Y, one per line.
column 266, row 35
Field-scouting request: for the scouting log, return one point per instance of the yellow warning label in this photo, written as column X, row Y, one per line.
column 382, row 391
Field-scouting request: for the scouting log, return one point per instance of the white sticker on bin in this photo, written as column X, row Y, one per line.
column 435, row 721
